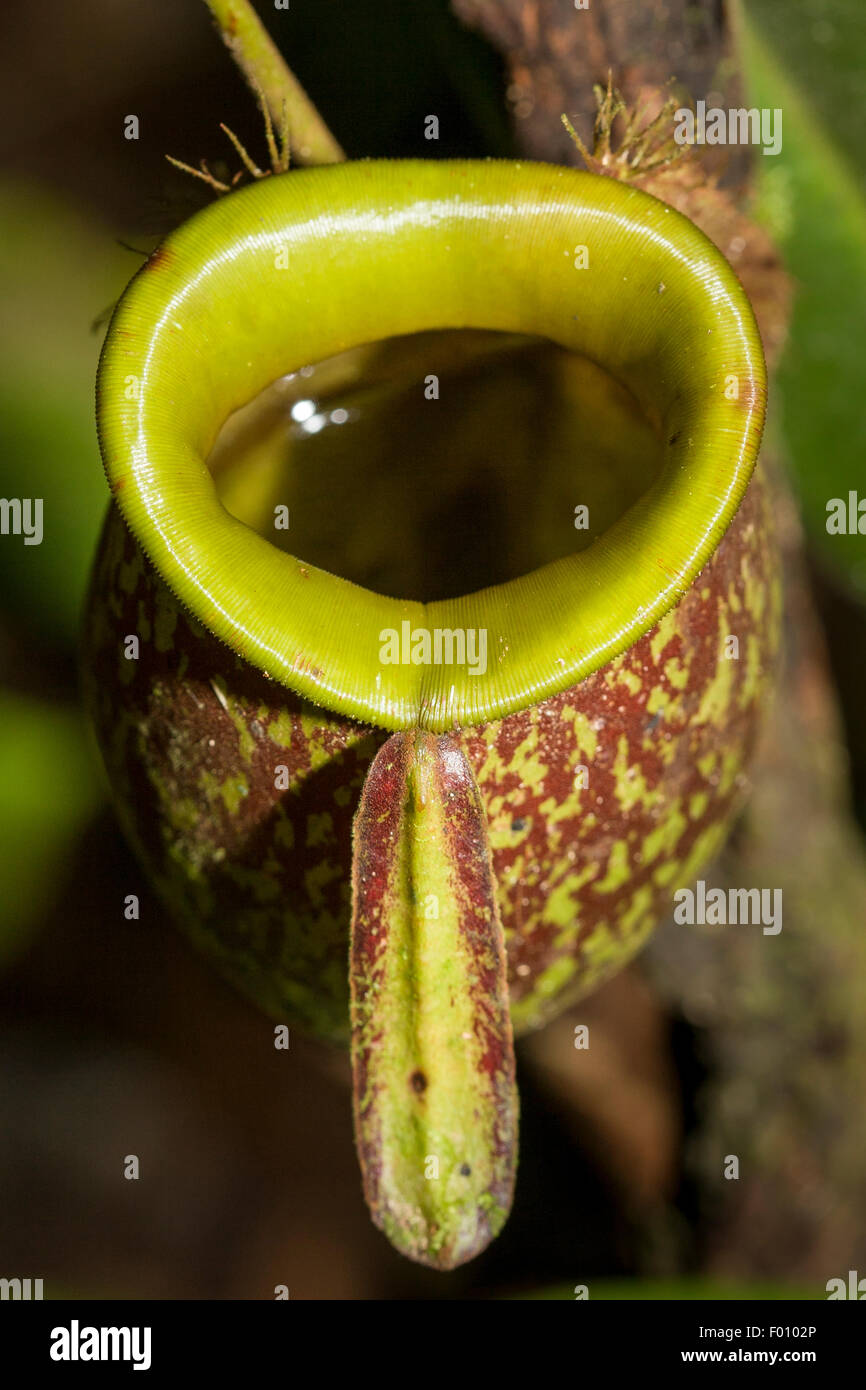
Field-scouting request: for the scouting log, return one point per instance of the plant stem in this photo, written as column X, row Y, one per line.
column 273, row 81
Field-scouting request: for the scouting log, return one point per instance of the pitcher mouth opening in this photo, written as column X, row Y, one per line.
column 258, row 285
column 432, row 465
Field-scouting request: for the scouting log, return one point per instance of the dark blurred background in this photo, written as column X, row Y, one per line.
column 114, row 1038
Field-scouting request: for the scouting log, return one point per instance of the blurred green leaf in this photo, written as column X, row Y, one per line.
column 809, row 60
column 57, row 274
column 676, row 1290
column 49, row 786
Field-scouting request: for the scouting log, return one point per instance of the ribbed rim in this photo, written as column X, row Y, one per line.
column 299, row 267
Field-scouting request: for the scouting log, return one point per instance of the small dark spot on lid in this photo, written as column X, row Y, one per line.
column 418, row 1082
column 519, row 824
column 674, row 437
column 465, row 1170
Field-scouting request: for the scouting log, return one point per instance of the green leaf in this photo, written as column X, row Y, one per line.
column 809, row 61
column 676, row 1290
column 48, row 788
column 57, row 274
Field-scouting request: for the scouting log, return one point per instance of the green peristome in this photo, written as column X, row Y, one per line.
column 310, row 264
